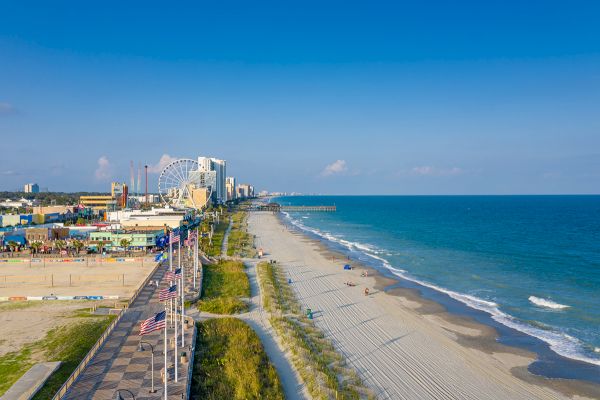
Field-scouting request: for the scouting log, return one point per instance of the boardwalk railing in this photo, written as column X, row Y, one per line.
column 191, row 363
column 65, row 387
column 86, row 360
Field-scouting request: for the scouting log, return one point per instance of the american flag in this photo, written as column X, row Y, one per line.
column 174, row 238
column 154, row 323
column 167, row 293
column 172, row 275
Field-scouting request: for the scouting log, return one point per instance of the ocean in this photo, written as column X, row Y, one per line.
column 528, row 265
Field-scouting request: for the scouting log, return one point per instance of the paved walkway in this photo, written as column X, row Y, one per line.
column 226, row 238
column 119, row 365
column 31, row 382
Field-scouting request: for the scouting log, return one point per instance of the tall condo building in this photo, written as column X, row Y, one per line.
column 31, row 188
column 244, row 191
column 230, row 188
column 220, row 167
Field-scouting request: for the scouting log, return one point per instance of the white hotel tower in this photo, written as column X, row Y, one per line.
column 220, row 167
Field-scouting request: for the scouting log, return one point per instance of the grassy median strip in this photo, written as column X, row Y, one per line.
column 231, row 363
column 68, row 344
column 213, row 248
column 240, row 243
column 323, row 370
column 224, row 286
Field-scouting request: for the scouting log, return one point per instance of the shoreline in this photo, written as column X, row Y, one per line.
column 468, row 330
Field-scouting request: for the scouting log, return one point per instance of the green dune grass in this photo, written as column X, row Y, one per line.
column 230, row 363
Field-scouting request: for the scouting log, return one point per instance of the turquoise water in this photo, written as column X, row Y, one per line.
column 531, row 262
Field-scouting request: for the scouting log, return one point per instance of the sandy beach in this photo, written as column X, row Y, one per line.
column 401, row 345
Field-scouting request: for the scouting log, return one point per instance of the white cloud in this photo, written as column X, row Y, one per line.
column 337, row 167
column 104, row 170
column 7, row 108
column 429, row 170
column 165, row 160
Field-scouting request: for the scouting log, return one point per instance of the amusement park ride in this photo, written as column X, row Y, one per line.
column 182, row 184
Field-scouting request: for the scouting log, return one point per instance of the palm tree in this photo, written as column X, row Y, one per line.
column 60, row 245
column 100, row 246
column 125, row 244
column 35, row 246
column 78, row 245
column 12, row 245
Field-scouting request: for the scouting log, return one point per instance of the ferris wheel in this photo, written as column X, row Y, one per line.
column 181, row 184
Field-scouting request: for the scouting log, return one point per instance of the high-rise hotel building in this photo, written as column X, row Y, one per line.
column 230, row 188
column 220, row 167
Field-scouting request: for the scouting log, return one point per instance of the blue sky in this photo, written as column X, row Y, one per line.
column 324, row 97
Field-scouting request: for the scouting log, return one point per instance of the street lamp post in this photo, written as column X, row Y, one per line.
column 141, row 348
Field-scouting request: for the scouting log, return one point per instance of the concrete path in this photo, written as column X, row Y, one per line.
column 31, row 381
column 226, row 238
column 119, row 364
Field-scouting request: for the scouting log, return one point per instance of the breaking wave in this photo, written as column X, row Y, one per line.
column 538, row 301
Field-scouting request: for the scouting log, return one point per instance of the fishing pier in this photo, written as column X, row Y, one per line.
column 276, row 207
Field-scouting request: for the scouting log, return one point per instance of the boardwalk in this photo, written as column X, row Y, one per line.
column 309, row 208
column 276, row 207
column 119, row 364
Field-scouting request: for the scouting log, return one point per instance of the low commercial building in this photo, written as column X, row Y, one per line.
column 18, row 239
column 152, row 198
column 9, row 220
column 81, row 232
column 53, row 209
column 138, row 239
column 21, row 219
column 45, row 234
column 160, row 217
column 99, row 202
column 22, row 202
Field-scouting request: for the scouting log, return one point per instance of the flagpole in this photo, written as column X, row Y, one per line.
column 181, row 289
column 171, row 269
column 182, row 305
column 170, row 254
column 166, row 371
column 175, row 340
column 195, row 258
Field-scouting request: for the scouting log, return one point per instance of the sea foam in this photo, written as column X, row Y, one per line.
column 538, row 301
